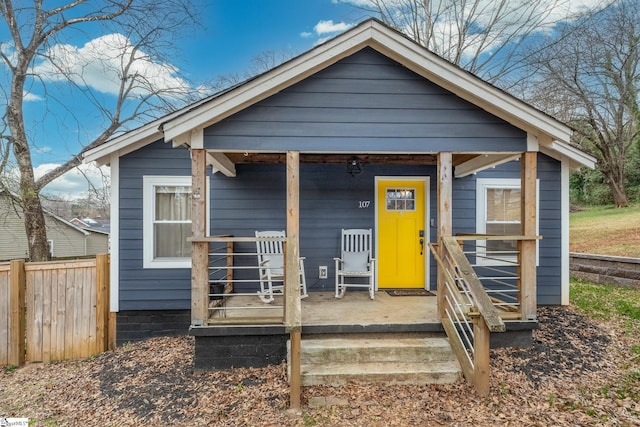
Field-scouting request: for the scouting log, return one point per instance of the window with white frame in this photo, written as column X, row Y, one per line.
column 498, row 213
column 166, row 221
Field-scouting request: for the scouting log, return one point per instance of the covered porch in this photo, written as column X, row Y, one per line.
column 465, row 308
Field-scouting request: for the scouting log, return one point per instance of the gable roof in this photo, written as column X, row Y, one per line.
column 549, row 135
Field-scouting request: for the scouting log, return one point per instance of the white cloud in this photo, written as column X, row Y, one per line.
column 325, row 30
column 75, row 183
column 328, row 27
column 28, row 96
column 43, row 150
column 8, row 49
column 99, row 64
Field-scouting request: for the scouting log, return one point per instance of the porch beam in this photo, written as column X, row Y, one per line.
column 445, row 218
column 528, row 206
column 221, row 163
column 482, row 162
column 292, row 307
column 200, row 249
column 332, row 158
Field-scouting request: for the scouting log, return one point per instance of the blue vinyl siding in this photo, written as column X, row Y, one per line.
column 148, row 289
column 365, row 103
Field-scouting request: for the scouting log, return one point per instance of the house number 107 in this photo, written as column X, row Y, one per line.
column 362, row 204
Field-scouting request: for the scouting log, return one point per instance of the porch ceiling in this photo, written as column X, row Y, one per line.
column 404, row 159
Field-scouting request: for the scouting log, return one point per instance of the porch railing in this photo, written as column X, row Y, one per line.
column 466, row 312
column 498, row 263
column 225, row 303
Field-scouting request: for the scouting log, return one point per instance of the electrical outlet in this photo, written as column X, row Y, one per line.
column 323, row 273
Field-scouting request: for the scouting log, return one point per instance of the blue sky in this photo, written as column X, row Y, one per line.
column 238, row 30
column 232, row 33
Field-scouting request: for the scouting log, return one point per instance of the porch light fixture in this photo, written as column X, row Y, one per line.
column 354, row 166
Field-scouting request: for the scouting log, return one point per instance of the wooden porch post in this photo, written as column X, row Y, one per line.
column 528, row 206
column 481, row 347
column 200, row 250
column 292, row 308
column 445, row 178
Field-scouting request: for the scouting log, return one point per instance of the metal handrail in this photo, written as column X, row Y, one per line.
column 465, row 309
column 502, row 281
column 221, row 269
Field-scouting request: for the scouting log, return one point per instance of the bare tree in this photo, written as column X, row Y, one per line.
column 481, row 36
column 589, row 76
column 260, row 63
column 142, row 33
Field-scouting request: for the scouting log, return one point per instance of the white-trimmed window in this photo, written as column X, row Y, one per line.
column 167, row 221
column 498, row 213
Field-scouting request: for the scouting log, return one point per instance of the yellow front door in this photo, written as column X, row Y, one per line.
column 402, row 239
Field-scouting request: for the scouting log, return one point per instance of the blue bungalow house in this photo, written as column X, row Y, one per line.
column 465, row 189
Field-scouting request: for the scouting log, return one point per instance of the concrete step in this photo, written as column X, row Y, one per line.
column 375, row 372
column 378, row 358
column 347, row 349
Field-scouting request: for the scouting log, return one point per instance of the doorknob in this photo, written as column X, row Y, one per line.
column 421, row 246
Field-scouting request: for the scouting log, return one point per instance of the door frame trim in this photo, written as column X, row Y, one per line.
column 426, row 179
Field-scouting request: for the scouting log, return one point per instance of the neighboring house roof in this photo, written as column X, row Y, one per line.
column 549, row 135
column 78, row 222
column 15, row 199
column 90, row 224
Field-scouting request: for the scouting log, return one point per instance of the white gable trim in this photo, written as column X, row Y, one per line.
column 123, row 144
column 132, row 140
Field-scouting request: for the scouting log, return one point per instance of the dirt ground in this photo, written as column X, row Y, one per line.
column 578, row 373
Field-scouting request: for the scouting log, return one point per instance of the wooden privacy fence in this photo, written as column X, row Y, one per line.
column 54, row 311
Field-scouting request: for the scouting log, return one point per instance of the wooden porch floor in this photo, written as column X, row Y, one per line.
column 322, row 310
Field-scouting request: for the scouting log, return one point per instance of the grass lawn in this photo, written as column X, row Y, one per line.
column 608, row 302
column 616, row 306
column 606, row 231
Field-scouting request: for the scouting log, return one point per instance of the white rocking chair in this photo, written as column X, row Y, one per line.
column 271, row 266
column 355, row 261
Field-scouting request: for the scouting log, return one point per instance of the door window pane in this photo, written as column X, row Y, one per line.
column 401, row 199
